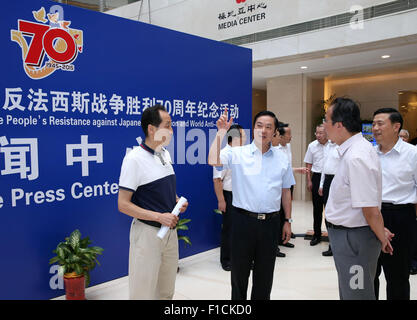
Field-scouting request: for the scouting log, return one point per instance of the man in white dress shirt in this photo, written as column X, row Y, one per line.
column 330, row 164
column 314, row 162
column 283, row 143
column 261, row 177
column 399, row 198
column 355, row 224
column 222, row 181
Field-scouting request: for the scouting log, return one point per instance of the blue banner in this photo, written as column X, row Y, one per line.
column 74, row 86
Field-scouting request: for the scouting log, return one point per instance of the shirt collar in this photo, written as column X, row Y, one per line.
column 349, row 142
column 151, row 151
column 253, row 148
column 396, row 147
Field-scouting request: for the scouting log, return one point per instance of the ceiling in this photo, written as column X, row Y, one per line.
column 341, row 62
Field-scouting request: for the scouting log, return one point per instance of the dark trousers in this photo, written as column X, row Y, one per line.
column 414, row 254
column 226, row 233
column 400, row 220
column 328, row 178
column 317, row 205
column 282, row 219
column 253, row 240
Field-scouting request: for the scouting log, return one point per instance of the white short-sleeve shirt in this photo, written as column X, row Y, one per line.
column 315, row 155
column 357, row 183
column 399, row 173
column 330, row 161
column 257, row 179
column 224, row 175
column 287, row 150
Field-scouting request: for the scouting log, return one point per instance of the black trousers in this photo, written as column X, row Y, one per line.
column 317, row 205
column 225, row 241
column 254, row 241
column 414, row 254
column 328, row 178
column 400, row 220
column 282, row 219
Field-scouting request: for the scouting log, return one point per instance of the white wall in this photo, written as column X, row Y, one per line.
column 201, row 17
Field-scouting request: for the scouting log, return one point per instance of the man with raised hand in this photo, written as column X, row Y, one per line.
column 222, row 181
column 261, row 175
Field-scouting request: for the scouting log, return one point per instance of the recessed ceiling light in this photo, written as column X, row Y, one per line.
column 304, row 67
column 386, row 56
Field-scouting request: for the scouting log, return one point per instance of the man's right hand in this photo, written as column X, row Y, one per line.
column 222, row 123
column 222, row 205
column 386, row 245
column 168, row 219
column 309, row 185
column 320, row 192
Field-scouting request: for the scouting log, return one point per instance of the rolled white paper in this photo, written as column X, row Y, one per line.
column 164, row 229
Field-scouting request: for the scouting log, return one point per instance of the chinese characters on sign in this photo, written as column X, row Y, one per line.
column 15, row 160
column 77, row 102
column 245, row 14
column 21, row 156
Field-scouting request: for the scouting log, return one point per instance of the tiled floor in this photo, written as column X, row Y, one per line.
column 304, row 274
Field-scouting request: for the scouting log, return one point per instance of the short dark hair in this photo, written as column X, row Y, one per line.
column 151, row 116
column 347, row 112
column 267, row 113
column 234, row 132
column 394, row 116
column 281, row 127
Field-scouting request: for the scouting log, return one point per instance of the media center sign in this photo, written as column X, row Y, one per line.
column 244, row 14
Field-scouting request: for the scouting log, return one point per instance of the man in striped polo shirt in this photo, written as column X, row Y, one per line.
column 147, row 192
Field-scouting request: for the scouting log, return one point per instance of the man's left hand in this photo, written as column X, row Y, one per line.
column 286, row 232
column 184, row 207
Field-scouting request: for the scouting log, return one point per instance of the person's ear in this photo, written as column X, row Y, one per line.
column 151, row 130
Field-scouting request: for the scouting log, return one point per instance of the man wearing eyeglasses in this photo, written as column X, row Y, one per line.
column 147, row 192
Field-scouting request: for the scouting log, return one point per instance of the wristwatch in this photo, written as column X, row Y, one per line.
column 289, row 220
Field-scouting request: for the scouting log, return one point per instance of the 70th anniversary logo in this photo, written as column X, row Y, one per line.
column 48, row 44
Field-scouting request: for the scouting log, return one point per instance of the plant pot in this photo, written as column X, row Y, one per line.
column 74, row 286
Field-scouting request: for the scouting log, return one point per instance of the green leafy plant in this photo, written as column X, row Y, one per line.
column 76, row 255
column 323, row 105
column 182, row 225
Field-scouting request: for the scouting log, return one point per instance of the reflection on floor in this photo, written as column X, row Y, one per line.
column 304, row 274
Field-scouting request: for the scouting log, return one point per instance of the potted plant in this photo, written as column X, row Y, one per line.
column 76, row 258
column 182, row 225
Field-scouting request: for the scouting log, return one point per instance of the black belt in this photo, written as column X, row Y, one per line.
column 151, row 223
column 259, row 216
column 333, row 226
column 387, row 205
column 329, row 175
